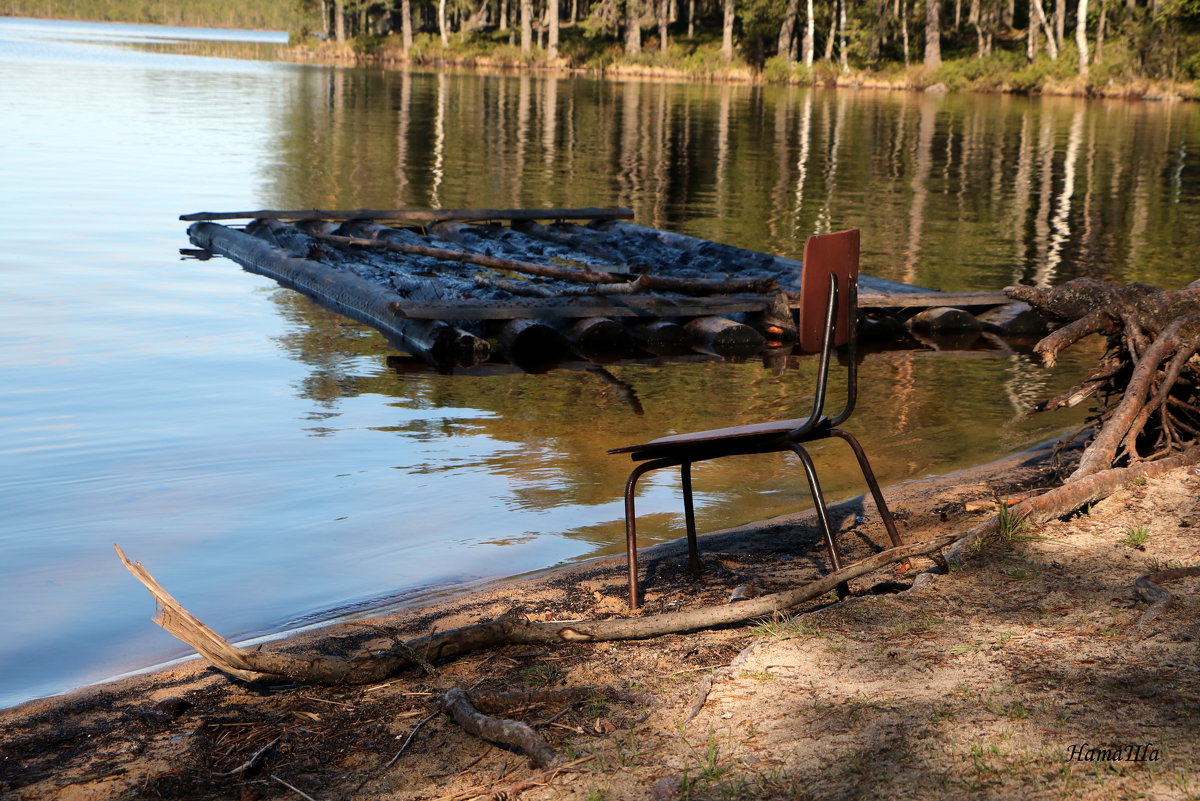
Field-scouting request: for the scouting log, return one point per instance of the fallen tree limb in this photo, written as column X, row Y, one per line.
column 1148, row 589
column 251, row 664
column 1070, row 496
column 454, row 702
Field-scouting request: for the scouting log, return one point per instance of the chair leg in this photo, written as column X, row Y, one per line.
column 689, row 518
column 835, row 558
column 631, row 524
column 888, row 521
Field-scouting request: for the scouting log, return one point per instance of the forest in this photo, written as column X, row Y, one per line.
column 1068, row 46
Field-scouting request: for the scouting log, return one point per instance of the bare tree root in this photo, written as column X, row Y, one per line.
column 456, row 704
column 1147, row 328
column 1148, row 589
column 1073, row 495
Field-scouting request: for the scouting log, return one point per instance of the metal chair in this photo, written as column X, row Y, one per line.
column 828, row 311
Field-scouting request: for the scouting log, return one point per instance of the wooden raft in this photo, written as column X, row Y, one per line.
column 457, row 288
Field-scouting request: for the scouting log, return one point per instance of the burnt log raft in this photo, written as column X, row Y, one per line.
column 457, row 288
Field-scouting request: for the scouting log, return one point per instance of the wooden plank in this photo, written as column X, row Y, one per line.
column 929, row 299
column 650, row 306
column 416, row 215
column 525, row 308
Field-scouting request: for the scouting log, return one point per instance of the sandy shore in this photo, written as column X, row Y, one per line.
column 1031, row 672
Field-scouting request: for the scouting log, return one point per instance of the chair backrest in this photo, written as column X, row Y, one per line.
column 833, row 254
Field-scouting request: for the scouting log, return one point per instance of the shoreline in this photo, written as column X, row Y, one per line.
column 447, row 598
column 821, row 76
column 978, row 681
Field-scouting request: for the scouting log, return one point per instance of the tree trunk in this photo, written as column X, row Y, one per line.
column 787, row 31
column 1031, row 33
column 727, row 31
column 339, row 21
column 1100, row 28
column 933, row 34
column 406, row 26
column 503, row 14
column 1081, row 41
column 664, row 19
column 810, row 30
column 633, row 27
column 1040, row 15
column 443, row 31
column 553, row 11
column 843, row 57
column 526, row 26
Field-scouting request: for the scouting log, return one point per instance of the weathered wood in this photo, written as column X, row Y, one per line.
column 923, row 298
column 945, row 320
column 532, row 345
column 484, row 260
column 725, row 337
column 662, row 336
column 597, row 337
column 1014, row 320
column 417, row 215
column 434, row 340
column 626, row 306
column 456, row 704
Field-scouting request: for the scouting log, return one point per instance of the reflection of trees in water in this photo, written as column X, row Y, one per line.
column 952, row 192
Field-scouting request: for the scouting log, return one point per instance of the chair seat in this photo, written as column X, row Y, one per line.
column 735, row 439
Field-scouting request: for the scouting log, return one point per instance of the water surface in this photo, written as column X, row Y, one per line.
column 274, row 464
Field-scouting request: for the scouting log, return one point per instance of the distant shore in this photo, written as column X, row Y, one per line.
column 702, row 64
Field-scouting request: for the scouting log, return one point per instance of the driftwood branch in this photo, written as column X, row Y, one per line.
column 251, row 664
column 454, row 702
column 417, row 215
column 1148, row 589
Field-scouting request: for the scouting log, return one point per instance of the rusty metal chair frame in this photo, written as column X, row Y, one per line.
column 830, row 259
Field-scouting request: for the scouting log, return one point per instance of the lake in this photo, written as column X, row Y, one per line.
column 275, row 465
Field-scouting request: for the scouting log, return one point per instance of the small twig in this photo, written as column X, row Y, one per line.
column 327, row 701
column 293, row 788
column 252, row 761
column 410, row 737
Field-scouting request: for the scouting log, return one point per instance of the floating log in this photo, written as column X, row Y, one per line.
column 532, row 345
column 599, row 338
column 441, row 344
column 725, row 337
column 417, row 215
column 944, row 320
column 664, row 337
column 1014, row 320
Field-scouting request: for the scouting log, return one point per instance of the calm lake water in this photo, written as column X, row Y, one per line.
column 275, row 465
